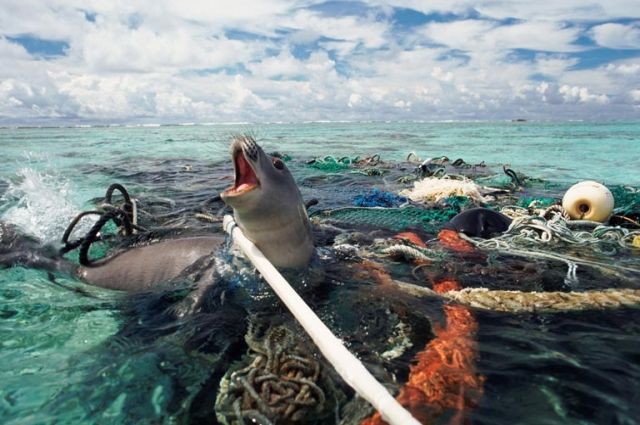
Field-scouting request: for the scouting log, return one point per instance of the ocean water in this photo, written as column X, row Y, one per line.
column 70, row 353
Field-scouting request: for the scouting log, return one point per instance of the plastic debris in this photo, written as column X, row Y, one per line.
column 378, row 198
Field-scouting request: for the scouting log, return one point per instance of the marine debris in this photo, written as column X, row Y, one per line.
column 531, row 302
column 443, row 377
column 280, row 385
column 436, row 189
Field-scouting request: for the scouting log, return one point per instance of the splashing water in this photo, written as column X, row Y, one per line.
column 41, row 205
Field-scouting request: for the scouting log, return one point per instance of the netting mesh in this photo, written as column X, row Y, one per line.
column 627, row 199
column 394, row 219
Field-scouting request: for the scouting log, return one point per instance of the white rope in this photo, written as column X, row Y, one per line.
column 346, row 364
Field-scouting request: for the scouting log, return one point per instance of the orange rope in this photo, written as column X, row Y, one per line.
column 452, row 240
column 444, row 378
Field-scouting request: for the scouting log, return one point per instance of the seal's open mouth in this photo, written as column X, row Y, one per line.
column 246, row 179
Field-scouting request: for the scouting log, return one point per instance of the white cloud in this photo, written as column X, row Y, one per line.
column 12, row 51
column 354, row 100
column 311, row 26
column 553, row 65
column 617, row 36
column 19, row 99
column 525, row 9
column 441, row 75
column 581, row 94
column 115, row 47
column 624, row 68
column 239, row 61
column 480, row 35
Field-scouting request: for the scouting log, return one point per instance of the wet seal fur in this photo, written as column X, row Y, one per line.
column 267, row 206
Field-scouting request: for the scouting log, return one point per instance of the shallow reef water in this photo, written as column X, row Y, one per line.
column 72, row 353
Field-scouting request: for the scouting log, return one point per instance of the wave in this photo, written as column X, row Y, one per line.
column 42, row 205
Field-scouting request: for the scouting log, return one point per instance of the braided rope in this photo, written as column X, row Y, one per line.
column 529, row 302
column 411, row 253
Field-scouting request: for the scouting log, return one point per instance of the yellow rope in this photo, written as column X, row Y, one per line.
column 527, row 302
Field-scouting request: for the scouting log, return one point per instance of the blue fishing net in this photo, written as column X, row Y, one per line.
column 378, row 198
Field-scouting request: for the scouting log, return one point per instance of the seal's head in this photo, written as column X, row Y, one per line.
column 268, row 206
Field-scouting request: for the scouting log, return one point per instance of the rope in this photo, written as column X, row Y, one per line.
column 505, row 248
column 512, row 175
column 346, row 364
column 281, row 383
column 536, row 230
column 408, row 252
column 125, row 217
column 413, row 157
column 443, row 375
column 118, row 216
column 530, row 302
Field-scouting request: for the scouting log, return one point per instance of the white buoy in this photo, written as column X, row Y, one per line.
column 588, row 200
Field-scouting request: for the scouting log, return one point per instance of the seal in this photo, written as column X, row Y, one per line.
column 267, row 206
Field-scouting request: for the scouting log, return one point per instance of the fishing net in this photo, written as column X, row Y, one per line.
column 394, row 219
column 331, row 164
column 378, row 198
column 526, row 202
column 627, row 200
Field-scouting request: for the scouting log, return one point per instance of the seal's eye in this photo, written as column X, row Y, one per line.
column 278, row 163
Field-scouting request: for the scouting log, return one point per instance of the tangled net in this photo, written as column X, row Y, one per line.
column 516, row 301
column 538, row 233
column 536, row 230
column 280, row 385
column 396, row 219
column 443, row 377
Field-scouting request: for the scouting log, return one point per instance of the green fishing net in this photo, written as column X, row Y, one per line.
column 394, row 219
column 627, row 199
column 524, row 202
column 332, row 164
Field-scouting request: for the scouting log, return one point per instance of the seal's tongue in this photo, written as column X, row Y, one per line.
column 245, row 176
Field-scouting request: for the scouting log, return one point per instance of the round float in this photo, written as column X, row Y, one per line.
column 588, row 200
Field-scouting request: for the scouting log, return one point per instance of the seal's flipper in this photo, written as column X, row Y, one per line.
column 11, row 239
column 18, row 249
column 37, row 259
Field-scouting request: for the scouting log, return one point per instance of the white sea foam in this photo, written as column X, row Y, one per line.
column 42, row 205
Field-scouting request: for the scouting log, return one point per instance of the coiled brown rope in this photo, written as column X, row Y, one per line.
column 280, row 384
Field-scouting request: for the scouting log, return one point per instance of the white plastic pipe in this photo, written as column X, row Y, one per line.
column 346, row 364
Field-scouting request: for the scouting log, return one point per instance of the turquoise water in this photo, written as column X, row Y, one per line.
column 94, row 356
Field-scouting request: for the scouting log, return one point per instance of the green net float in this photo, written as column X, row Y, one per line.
column 588, row 200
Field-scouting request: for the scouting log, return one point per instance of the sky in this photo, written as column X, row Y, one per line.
column 162, row 61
